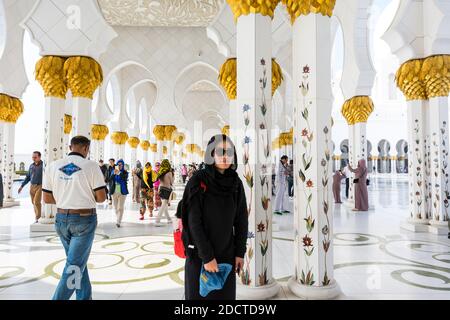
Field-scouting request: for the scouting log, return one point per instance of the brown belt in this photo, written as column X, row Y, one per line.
column 81, row 212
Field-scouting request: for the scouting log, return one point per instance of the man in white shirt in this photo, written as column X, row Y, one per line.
column 75, row 185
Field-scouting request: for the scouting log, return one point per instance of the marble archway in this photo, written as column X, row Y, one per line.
column 384, row 163
column 402, row 156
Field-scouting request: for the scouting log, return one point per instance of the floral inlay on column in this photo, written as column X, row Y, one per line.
column 264, row 225
column 325, row 182
column 248, row 175
column 444, row 160
column 427, row 180
column 419, row 181
column 437, row 185
column 307, row 276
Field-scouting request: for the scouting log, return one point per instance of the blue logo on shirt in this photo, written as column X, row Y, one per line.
column 70, row 169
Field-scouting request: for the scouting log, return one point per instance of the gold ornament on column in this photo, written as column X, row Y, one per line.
column 245, row 7
column 145, row 145
column 119, row 138
column 347, row 113
column 49, row 72
column 409, row 82
column 84, row 75
column 180, row 138
column 99, row 132
column 277, row 76
column 190, row 148
column 133, row 142
column 5, row 106
column 12, row 107
column 154, row 147
column 276, row 144
column 169, row 132
column 159, row 133
column 297, row 8
column 226, row 130
column 164, row 150
column 435, row 75
column 67, row 124
column 228, row 77
column 357, row 109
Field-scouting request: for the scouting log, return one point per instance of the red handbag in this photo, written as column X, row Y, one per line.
column 178, row 241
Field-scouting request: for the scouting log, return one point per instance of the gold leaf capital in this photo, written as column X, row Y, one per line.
column 297, row 8
column 246, row 7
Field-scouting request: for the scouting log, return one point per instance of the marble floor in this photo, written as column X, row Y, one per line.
column 373, row 257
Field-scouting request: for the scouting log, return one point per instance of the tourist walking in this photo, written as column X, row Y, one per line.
column 109, row 177
column 166, row 178
column 157, row 202
column 34, row 176
column 184, row 172
column 75, row 184
column 146, row 179
column 119, row 187
column 136, row 181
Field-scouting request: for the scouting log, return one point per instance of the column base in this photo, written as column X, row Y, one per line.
column 10, row 203
column 42, row 227
column 258, row 293
column 438, row 227
column 331, row 291
column 415, row 225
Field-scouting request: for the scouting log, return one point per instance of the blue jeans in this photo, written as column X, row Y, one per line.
column 77, row 235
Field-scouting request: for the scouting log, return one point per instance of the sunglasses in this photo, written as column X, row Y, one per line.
column 221, row 152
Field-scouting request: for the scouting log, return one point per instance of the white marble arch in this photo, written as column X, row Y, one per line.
column 143, row 90
column 127, row 76
column 358, row 74
column 191, row 74
column 13, row 78
column 66, row 28
column 198, row 103
column 110, row 71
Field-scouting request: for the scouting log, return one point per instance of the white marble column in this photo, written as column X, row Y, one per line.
column 50, row 74
column 254, row 98
column 313, row 212
column 360, row 141
column 119, row 151
column 133, row 158
column 440, row 193
column 159, row 150
column 416, row 154
column 8, row 164
column 53, row 150
column 2, row 145
column 82, row 118
column 352, row 161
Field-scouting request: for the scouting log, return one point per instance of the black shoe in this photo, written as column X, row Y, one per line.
column 117, row 225
column 449, row 235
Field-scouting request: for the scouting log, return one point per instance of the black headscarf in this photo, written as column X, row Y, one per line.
column 216, row 181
